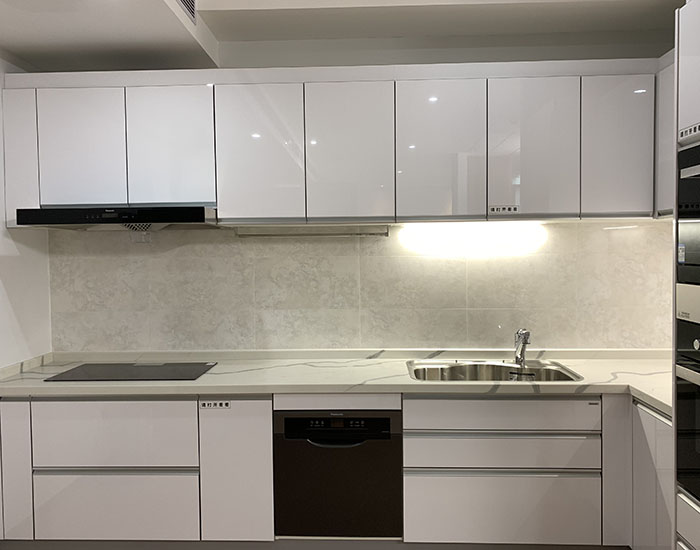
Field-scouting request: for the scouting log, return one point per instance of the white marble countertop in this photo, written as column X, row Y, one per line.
column 646, row 374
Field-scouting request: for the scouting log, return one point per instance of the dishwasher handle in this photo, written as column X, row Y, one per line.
column 349, row 443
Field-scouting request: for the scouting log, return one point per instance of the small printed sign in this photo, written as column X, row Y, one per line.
column 504, row 209
column 214, row 404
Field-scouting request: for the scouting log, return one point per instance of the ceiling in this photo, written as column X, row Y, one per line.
column 69, row 35
column 492, row 18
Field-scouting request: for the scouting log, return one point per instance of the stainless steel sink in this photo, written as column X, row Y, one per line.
column 478, row 371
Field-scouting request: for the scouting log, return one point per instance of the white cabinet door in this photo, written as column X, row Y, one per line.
column 350, row 150
column 82, row 146
column 116, row 506
column 500, row 450
column 653, row 486
column 114, row 434
column 689, row 68
column 496, row 414
column 502, row 507
column 170, row 141
column 21, row 154
column 236, row 471
column 617, row 145
column 441, row 149
column 665, row 181
column 17, row 502
column 260, row 152
column 534, row 146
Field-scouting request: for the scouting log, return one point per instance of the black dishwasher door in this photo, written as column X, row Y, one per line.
column 338, row 474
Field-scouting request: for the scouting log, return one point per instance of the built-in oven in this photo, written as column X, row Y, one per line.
column 338, row 473
column 688, row 388
column 689, row 215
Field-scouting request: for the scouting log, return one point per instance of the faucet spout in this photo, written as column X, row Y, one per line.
column 522, row 339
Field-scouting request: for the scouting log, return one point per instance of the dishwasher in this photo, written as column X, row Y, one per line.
column 338, row 474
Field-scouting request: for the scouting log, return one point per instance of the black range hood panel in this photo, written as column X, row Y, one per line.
column 125, row 216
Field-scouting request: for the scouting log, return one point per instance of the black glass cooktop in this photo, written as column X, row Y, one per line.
column 117, row 372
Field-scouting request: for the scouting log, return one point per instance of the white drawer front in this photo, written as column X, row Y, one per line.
column 153, row 506
column 502, row 414
column 688, row 520
column 114, row 433
column 500, row 508
column 501, row 451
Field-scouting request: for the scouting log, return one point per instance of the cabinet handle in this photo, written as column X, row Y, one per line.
column 653, row 413
column 467, row 472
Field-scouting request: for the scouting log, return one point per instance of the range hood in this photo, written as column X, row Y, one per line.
column 137, row 218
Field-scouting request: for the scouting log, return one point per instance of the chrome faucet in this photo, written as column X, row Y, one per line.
column 522, row 339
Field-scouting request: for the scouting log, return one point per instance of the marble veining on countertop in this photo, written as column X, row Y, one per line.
column 646, row 374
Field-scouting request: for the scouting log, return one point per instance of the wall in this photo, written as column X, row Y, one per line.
column 589, row 286
column 25, row 329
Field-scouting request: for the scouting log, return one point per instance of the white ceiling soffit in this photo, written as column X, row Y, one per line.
column 70, row 35
column 348, row 32
column 467, row 18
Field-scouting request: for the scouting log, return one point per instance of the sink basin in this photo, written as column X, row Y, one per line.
column 485, row 371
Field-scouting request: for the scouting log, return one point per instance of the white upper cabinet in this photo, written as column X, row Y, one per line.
column 21, row 154
column 689, row 69
column 665, row 187
column 170, row 133
column 617, row 145
column 260, row 152
column 441, row 148
column 534, row 144
column 82, row 146
column 350, row 150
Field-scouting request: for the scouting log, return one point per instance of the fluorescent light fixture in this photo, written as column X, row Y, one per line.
column 432, row 99
column 620, row 227
column 491, row 239
column 640, row 91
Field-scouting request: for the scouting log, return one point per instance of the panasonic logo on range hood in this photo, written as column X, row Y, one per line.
column 130, row 218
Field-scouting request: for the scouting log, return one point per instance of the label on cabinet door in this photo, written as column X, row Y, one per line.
column 214, row 404
column 503, row 209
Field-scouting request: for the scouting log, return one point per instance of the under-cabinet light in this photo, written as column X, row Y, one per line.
column 474, row 239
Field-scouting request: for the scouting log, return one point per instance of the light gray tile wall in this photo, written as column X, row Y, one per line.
column 587, row 287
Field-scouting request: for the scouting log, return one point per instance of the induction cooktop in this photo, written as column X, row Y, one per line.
column 121, row 372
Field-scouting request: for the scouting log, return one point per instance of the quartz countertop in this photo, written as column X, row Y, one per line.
column 646, row 374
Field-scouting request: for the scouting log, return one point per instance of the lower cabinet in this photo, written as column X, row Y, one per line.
column 116, row 506
column 502, row 507
column 688, row 519
column 653, row 479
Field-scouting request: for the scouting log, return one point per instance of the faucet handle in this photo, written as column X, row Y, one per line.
column 523, row 335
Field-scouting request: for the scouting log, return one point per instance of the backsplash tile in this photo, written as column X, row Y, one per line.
column 588, row 287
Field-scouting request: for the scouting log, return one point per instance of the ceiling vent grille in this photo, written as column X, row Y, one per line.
column 190, row 8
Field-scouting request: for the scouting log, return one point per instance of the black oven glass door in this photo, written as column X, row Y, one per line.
column 688, row 435
column 689, row 251
column 689, row 183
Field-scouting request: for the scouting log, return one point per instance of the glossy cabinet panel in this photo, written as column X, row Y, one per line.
column 617, row 145
column 114, row 433
column 350, row 150
column 665, row 180
column 236, row 471
column 17, row 490
column 82, row 146
column 653, row 479
column 441, row 148
column 260, row 152
column 171, row 145
column 21, row 153
column 117, row 506
column 502, row 414
column 689, row 66
column 501, row 450
column 504, row 508
column 534, row 146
